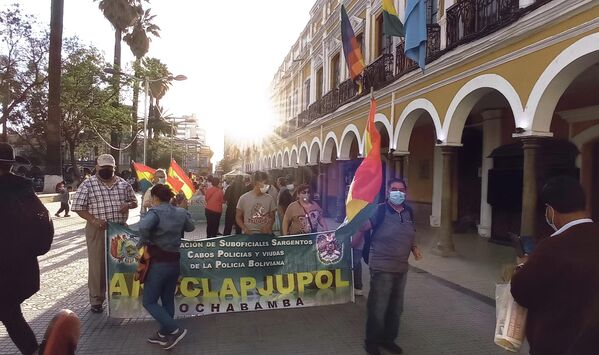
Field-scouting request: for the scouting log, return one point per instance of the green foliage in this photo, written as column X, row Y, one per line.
column 159, row 152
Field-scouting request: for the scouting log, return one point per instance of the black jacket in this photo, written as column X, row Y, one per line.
column 27, row 232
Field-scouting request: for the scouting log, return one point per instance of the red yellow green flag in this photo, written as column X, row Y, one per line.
column 176, row 172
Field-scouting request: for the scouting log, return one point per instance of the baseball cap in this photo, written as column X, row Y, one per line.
column 106, row 160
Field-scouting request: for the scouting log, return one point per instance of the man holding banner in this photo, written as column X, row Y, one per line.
column 256, row 208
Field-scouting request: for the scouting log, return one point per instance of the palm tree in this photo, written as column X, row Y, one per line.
column 139, row 43
column 121, row 14
column 53, row 156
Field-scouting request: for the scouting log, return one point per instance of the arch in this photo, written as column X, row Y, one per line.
column 379, row 117
column 468, row 96
column 303, row 154
column 346, row 141
column 314, row 153
column 285, row 158
column 330, row 142
column 279, row 159
column 407, row 120
column 273, row 161
column 293, row 157
column 554, row 81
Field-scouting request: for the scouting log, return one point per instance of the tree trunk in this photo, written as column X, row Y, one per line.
column 114, row 134
column 134, row 125
column 4, row 132
column 53, row 156
column 74, row 160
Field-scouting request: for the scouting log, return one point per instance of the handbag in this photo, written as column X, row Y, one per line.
column 143, row 265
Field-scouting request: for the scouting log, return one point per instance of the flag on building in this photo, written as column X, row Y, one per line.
column 392, row 25
column 416, row 34
column 145, row 175
column 176, row 172
column 351, row 50
column 365, row 187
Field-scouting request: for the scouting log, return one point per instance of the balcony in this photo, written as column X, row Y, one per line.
column 403, row 64
column 379, row 73
column 469, row 20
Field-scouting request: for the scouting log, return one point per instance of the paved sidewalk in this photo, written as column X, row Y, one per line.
column 440, row 317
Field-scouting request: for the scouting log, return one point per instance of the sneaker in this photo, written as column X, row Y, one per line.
column 372, row 349
column 57, row 215
column 157, row 339
column 358, row 292
column 392, row 348
column 174, row 338
column 97, row 308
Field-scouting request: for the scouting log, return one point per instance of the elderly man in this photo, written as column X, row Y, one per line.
column 100, row 199
column 146, row 200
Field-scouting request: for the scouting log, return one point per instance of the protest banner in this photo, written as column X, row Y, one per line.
column 237, row 273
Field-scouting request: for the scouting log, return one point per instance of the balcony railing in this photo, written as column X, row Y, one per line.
column 468, row 20
column 403, row 64
column 330, row 101
column 347, row 91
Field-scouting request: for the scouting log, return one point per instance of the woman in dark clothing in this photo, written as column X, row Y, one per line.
column 232, row 195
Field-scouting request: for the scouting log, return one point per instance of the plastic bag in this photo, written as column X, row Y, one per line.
column 511, row 320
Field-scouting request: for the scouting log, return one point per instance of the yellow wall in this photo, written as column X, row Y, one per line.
column 421, row 162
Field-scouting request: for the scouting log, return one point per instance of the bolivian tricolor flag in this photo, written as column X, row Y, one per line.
column 392, row 25
column 364, row 189
column 177, row 173
column 351, row 49
column 145, row 174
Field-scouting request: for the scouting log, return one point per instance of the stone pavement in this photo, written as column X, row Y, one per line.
column 440, row 317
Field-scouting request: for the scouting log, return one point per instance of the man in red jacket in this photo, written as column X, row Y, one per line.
column 559, row 282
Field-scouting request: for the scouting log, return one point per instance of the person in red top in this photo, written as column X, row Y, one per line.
column 214, row 207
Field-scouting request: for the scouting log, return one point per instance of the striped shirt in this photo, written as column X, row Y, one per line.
column 104, row 202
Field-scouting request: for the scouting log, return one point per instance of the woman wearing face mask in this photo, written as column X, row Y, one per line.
column 161, row 230
column 303, row 215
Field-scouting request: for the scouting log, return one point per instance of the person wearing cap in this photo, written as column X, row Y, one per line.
column 100, row 199
column 27, row 232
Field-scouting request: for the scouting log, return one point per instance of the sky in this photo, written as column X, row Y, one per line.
column 229, row 51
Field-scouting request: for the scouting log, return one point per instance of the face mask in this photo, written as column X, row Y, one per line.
column 264, row 189
column 304, row 197
column 397, row 197
column 106, row 174
column 161, row 181
column 552, row 222
column 290, row 187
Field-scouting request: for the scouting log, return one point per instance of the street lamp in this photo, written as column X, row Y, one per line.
column 146, row 82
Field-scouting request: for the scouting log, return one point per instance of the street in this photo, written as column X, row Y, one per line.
column 439, row 317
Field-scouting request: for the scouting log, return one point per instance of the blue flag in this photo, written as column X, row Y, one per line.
column 416, row 35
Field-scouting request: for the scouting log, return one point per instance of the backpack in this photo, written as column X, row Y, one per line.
column 376, row 222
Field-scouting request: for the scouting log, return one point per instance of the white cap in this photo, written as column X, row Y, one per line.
column 106, row 160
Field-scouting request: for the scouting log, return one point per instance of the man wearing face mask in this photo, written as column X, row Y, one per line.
column 559, row 282
column 392, row 241
column 100, row 199
column 146, row 200
column 256, row 208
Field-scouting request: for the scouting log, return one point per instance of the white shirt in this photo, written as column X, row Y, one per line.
column 572, row 224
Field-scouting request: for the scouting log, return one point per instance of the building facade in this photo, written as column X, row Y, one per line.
column 507, row 100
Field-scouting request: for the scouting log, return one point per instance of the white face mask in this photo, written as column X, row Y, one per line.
column 290, row 186
column 304, row 197
column 161, row 180
column 552, row 222
column 264, row 189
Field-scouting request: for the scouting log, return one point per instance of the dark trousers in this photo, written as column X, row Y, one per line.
column 212, row 222
column 64, row 206
column 357, row 263
column 385, row 305
column 230, row 222
column 161, row 283
column 18, row 330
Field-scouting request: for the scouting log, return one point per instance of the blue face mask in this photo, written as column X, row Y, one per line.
column 397, row 197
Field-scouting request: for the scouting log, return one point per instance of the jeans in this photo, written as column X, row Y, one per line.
column 161, row 283
column 357, row 261
column 385, row 305
column 212, row 222
column 230, row 222
column 64, row 206
column 17, row 328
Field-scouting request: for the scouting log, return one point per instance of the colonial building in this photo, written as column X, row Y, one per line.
column 509, row 98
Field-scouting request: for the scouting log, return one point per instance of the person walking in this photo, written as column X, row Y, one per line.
column 161, row 230
column 256, row 208
column 214, row 207
column 559, row 282
column 27, row 232
column 303, row 215
column 65, row 197
column 232, row 195
column 392, row 241
column 100, row 199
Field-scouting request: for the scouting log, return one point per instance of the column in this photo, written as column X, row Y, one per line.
column 445, row 246
column 530, row 146
column 340, row 211
column 367, row 34
column 435, row 218
column 491, row 140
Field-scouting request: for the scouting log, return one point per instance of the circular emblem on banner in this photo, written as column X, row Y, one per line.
column 123, row 249
column 329, row 250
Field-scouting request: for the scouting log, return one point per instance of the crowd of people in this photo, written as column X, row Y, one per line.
column 558, row 282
